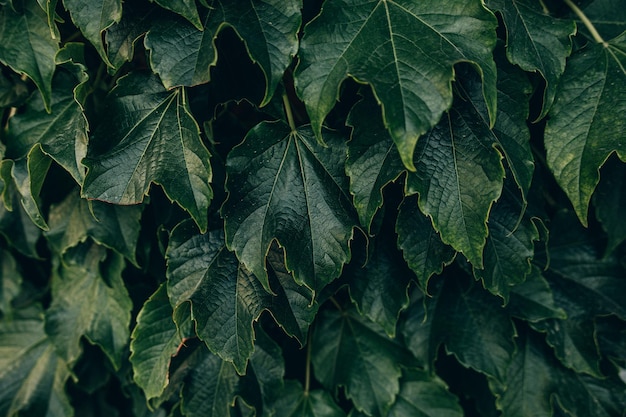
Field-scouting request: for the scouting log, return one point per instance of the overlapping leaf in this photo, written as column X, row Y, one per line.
column 89, row 299
column 532, row 300
column 16, row 225
column 10, row 282
column 154, row 138
column 424, row 395
column 586, row 122
column 406, row 50
column 27, row 46
column 182, row 54
column 353, row 352
column 284, row 186
column 120, row 38
column 536, row 41
column 225, row 297
column 185, row 8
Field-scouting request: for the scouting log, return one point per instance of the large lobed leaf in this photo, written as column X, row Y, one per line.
column 405, row 50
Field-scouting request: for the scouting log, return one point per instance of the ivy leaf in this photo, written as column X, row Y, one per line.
column 154, row 341
column 284, row 186
column 586, row 123
column 268, row 28
column 536, row 41
column 532, row 300
column 10, row 282
column 27, row 46
column 93, row 17
column 610, row 202
column 89, row 299
column 421, row 245
column 458, row 155
column 294, row 402
column 121, row 37
column 155, row 139
column 373, row 160
column 32, row 375
column 225, row 297
column 424, row 395
column 185, row 8
column 351, row 351
column 405, row 50
column 74, row 219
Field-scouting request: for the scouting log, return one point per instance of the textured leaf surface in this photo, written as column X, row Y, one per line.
column 425, row 396
column 532, row 300
column 120, row 38
column 74, row 220
column 536, row 41
column 185, row 8
column 459, row 175
column 154, row 138
column 32, row 376
column 27, row 46
column 93, row 17
column 350, row 351
column 421, row 245
column 294, row 402
column 586, row 122
column 269, row 29
column 406, row 50
column 225, row 297
column 89, row 299
column 284, row 186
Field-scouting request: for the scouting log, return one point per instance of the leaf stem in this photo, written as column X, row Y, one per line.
column 288, row 112
column 592, row 29
column 307, row 371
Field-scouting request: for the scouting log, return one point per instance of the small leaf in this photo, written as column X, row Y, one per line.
column 294, row 402
column 32, row 376
column 421, row 245
column 350, row 351
column 154, row 139
column 74, row 219
column 182, row 54
column 120, row 38
column 27, row 46
column 89, row 299
column 93, row 17
column 586, row 122
column 532, row 300
column 425, row 396
column 284, row 186
column 405, row 50
column 536, row 41
column 185, row 8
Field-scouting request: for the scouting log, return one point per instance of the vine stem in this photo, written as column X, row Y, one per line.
column 288, row 112
column 583, row 18
column 307, row 370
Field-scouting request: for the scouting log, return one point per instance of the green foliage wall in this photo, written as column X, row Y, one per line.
column 313, row 208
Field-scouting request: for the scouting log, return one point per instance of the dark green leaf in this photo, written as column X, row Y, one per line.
column 610, row 202
column 155, row 139
column 13, row 91
column 351, row 351
column 10, row 282
column 425, row 396
column 89, row 299
column 611, row 335
column 120, row 38
column 532, row 300
column 459, row 175
column 154, row 341
column 182, row 54
column 16, row 225
column 536, row 41
column 185, row 8
column 32, row 376
column 373, row 160
column 74, row 219
column 284, row 186
column 27, row 46
column 93, row 17
column 421, row 245
column 406, row 50
column 586, row 122
column 582, row 395
column 294, row 402
column 608, row 17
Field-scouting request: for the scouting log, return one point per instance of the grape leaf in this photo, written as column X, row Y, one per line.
column 351, row 351
column 421, row 245
column 425, row 396
column 225, row 297
column 93, row 17
column 284, row 186
column 268, row 28
column 154, row 139
column 458, row 176
column 586, row 122
column 536, row 41
column 185, row 8
column 89, row 299
column 294, row 402
column 74, row 219
column 27, row 47
column 405, row 50
column 32, row 375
